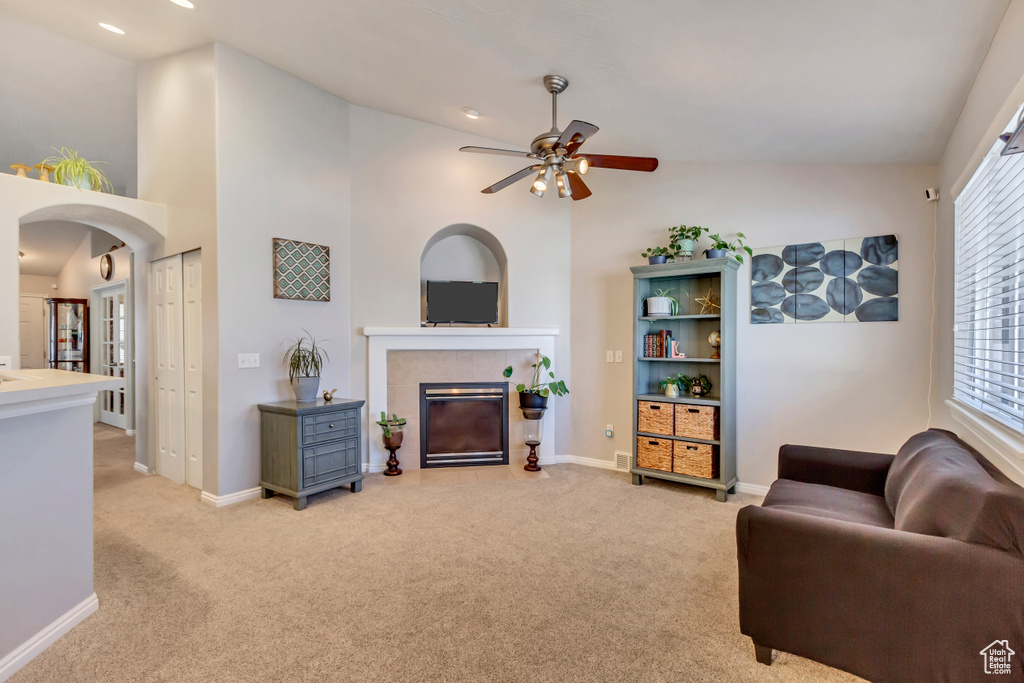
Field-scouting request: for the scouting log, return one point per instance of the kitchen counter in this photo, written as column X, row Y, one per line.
column 46, row 511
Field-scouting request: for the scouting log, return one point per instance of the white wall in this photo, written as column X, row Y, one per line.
column 282, row 171
column 411, row 182
column 178, row 168
column 37, row 284
column 82, row 271
column 846, row 385
column 60, row 93
column 997, row 93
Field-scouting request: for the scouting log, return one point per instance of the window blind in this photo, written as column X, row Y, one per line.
column 988, row 358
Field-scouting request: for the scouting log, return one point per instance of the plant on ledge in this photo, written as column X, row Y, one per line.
column 71, row 169
column 656, row 255
column 305, row 359
column 684, row 238
column 721, row 248
column 535, row 395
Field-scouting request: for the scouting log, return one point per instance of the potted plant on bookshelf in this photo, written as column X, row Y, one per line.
column 670, row 386
column 534, row 397
column 656, row 255
column 391, row 435
column 305, row 359
column 71, row 169
column 721, row 248
column 660, row 303
column 684, row 239
column 696, row 386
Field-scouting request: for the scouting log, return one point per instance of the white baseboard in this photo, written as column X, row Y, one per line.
column 587, row 462
column 129, row 432
column 755, row 489
column 231, row 498
column 374, row 469
column 28, row 650
column 142, row 469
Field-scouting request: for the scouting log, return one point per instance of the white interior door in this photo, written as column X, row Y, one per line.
column 192, row 306
column 168, row 381
column 32, row 331
column 111, row 354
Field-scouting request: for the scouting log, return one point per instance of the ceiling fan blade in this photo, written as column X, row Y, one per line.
column 579, row 188
column 514, row 178
column 575, row 134
column 503, row 152
column 646, row 164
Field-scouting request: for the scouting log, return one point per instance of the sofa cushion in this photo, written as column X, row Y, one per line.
column 940, row 486
column 828, row 501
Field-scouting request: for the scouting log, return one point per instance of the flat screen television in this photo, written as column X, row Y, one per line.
column 462, row 302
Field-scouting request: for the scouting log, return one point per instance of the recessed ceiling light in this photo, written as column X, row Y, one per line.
column 471, row 113
column 112, row 29
column 184, row 3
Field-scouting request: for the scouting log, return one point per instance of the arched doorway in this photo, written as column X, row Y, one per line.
column 467, row 253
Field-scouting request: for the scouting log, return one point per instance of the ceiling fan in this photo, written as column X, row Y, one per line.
column 556, row 158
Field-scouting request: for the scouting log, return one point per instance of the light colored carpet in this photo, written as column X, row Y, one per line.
column 577, row 577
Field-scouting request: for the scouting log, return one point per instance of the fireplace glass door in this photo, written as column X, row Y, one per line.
column 463, row 423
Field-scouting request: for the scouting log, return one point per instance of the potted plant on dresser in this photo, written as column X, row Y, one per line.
column 305, row 359
column 533, row 401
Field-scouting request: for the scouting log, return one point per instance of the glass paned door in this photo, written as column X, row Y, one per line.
column 113, row 354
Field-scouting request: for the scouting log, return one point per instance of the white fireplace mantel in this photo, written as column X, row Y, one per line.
column 384, row 339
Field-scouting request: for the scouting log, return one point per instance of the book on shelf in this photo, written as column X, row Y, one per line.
column 659, row 345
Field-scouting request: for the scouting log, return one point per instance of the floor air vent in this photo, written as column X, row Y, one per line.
column 622, row 461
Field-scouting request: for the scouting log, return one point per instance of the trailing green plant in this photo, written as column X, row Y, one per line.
column 679, row 233
column 657, row 251
column 735, row 246
column 387, row 424
column 305, row 357
column 550, row 385
column 666, row 294
column 686, row 383
column 68, row 165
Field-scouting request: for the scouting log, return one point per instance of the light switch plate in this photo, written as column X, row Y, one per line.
column 618, row 356
column 609, row 356
column 248, row 360
column 5, row 363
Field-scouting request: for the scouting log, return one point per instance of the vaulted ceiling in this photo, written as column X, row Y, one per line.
column 867, row 81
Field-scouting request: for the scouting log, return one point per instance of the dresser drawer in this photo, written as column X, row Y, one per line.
column 329, row 426
column 330, row 461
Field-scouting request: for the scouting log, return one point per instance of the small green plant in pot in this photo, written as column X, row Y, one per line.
column 391, row 434
column 71, row 169
column 305, row 359
column 656, row 255
column 534, row 396
column 721, row 248
column 660, row 303
column 684, row 238
column 670, row 386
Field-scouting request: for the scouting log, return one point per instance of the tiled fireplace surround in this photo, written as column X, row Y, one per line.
column 401, row 358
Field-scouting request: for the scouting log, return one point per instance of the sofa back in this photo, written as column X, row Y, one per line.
column 940, row 486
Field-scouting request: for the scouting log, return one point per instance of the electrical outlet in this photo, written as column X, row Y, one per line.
column 609, row 431
column 609, row 356
column 5, row 363
column 618, row 356
column 248, row 360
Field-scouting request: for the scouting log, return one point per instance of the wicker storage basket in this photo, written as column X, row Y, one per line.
column 654, row 454
column 697, row 422
column 695, row 459
column 655, row 418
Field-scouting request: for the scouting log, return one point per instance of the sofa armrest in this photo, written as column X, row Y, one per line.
column 876, row 602
column 853, row 470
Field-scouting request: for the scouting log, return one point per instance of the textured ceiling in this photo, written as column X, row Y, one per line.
column 868, row 81
column 48, row 245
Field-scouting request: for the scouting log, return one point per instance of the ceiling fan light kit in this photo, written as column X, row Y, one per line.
column 556, row 158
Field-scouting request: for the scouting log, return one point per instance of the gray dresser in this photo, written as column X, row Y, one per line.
column 307, row 448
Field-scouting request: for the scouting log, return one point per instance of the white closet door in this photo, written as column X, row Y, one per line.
column 192, row 298
column 32, row 328
column 168, row 365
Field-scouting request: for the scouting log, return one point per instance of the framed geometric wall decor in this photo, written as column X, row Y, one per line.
column 301, row 270
column 854, row 280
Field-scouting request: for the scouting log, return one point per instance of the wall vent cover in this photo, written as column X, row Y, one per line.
column 622, row 461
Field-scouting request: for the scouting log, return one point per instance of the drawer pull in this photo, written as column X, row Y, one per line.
column 655, row 407
column 330, row 426
column 653, row 443
column 693, row 410
column 691, row 448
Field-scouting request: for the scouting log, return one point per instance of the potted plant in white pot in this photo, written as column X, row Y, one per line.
column 71, row 169
column 305, row 359
column 661, row 304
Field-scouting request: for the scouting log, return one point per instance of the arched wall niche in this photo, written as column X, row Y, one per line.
column 465, row 252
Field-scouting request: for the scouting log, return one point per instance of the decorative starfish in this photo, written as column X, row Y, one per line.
column 707, row 303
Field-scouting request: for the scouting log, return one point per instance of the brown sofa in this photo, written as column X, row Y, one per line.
column 893, row 568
